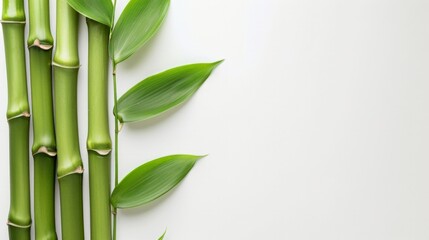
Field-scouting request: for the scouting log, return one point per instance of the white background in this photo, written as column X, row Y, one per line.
column 317, row 123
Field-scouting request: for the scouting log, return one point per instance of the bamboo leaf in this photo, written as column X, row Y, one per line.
column 162, row 237
column 152, row 180
column 137, row 24
column 163, row 91
column 97, row 10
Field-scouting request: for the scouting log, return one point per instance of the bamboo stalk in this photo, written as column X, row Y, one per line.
column 40, row 44
column 70, row 166
column 99, row 144
column 18, row 115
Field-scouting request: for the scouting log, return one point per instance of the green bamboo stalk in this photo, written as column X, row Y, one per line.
column 18, row 115
column 40, row 44
column 70, row 166
column 99, row 144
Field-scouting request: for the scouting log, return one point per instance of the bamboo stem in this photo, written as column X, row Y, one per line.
column 99, row 144
column 18, row 114
column 40, row 43
column 70, row 166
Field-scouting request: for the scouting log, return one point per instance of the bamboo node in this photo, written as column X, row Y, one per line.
column 46, row 151
column 11, row 22
column 38, row 44
column 24, row 114
column 64, row 66
column 102, row 152
column 17, row 225
column 78, row 170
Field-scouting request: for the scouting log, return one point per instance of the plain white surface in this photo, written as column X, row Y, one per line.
column 317, row 123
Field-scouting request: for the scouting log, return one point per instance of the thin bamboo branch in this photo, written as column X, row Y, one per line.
column 115, row 98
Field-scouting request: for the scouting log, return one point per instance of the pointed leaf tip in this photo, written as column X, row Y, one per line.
column 163, row 91
column 98, row 10
column 138, row 23
column 162, row 236
column 151, row 180
column 218, row 62
column 202, row 156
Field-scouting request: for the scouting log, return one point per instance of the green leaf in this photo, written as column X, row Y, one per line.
column 98, row 10
column 162, row 237
column 137, row 24
column 163, row 91
column 152, row 180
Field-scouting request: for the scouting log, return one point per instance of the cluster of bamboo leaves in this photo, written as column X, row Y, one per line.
column 136, row 25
